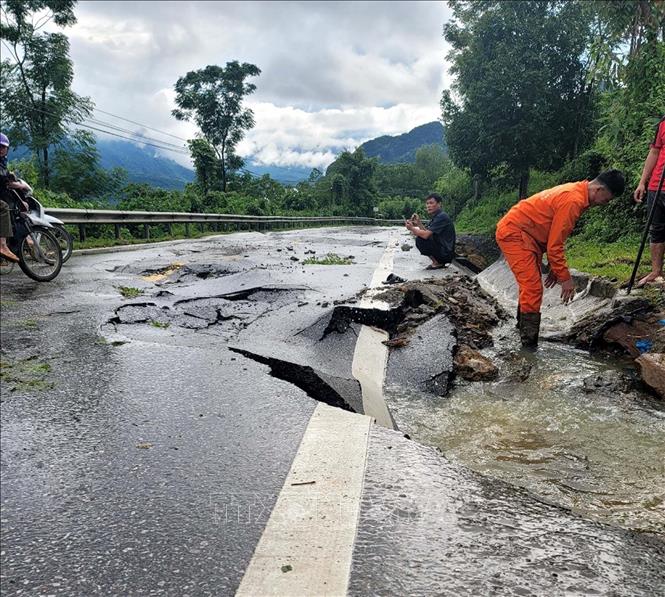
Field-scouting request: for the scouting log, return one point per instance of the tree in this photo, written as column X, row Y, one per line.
column 351, row 177
column 37, row 101
column 76, row 169
column 206, row 165
column 519, row 76
column 212, row 97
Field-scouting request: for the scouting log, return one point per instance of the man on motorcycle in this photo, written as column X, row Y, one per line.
column 6, row 183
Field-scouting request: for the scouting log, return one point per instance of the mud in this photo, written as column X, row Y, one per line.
column 472, row 311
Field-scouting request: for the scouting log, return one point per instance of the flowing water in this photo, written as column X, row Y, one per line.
column 602, row 454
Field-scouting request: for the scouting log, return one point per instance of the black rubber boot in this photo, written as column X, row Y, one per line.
column 529, row 329
column 517, row 317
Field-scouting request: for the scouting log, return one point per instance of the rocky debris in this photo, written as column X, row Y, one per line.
column 588, row 332
column 472, row 311
column 396, row 342
column 294, row 258
column 609, row 382
column 637, row 335
column 406, row 247
column 477, row 252
column 652, row 369
column 179, row 273
column 516, row 367
column 239, row 308
column 473, row 366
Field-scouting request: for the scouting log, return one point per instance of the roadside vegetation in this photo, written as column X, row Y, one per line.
column 517, row 120
column 329, row 259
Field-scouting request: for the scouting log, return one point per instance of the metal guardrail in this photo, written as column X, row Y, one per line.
column 221, row 222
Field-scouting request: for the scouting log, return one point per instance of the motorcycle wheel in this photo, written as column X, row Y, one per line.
column 41, row 260
column 65, row 240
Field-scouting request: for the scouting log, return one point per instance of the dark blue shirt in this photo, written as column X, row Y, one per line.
column 444, row 234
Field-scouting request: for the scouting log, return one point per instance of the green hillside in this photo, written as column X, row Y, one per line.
column 401, row 149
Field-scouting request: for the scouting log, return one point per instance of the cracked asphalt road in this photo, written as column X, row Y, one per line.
column 140, row 455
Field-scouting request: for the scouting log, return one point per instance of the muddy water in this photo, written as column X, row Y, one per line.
column 600, row 454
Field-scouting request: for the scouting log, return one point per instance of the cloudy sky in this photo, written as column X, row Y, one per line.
column 334, row 74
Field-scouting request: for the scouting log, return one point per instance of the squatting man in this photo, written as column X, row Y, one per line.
column 437, row 239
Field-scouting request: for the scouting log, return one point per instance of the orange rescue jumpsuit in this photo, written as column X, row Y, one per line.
column 537, row 225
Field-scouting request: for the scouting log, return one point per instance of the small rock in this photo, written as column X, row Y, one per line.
column 325, row 305
column 294, row 258
column 398, row 342
column 406, row 247
column 473, row 366
column 611, row 382
column 652, row 369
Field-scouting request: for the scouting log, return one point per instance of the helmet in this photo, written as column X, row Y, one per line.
column 4, row 140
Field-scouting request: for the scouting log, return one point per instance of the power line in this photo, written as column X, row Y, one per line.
column 123, row 130
column 183, row 152
column 135, row 136
column 140, row 124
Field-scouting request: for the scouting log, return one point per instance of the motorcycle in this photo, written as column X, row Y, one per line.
column 33, row 242
column 37, row 214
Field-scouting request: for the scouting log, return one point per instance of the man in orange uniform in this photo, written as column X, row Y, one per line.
column 541, row 224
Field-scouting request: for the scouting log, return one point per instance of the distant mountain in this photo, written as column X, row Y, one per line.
column 143, row 164
column 284, row 174
column 402, row 148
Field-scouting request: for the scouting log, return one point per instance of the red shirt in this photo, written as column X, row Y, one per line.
column 659, row 144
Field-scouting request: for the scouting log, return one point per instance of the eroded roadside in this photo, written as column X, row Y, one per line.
column 170, row 430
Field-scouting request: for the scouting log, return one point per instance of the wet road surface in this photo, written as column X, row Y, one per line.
column 140, row 455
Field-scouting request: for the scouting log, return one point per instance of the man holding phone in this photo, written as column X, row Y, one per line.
column 437, row 239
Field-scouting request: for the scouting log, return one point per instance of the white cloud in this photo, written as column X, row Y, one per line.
column 334, row 74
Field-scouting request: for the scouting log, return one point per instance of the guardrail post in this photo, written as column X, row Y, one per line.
column 168, row 229
column 187, row 229
column 146, row 231
column 117, row 231
column 81, row 232
column 202, row 227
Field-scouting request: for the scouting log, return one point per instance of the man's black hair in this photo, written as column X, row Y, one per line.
column 613, row 180
column 438, row 198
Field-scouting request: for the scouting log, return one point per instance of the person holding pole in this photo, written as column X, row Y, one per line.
column 648, row 185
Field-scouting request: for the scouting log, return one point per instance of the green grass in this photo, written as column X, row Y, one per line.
column 329, row 259
column 159, row 324
column 130, row 291
column 26, row 375
column 614, row 261
column 27, row 324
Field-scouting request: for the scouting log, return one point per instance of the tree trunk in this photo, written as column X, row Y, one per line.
column 223, row 163
column 476, row 187
column 45, row 172
column 524, row 185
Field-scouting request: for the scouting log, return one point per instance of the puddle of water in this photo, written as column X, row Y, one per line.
column 601, row 455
